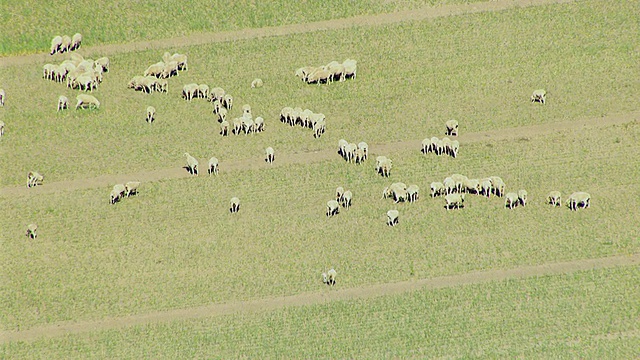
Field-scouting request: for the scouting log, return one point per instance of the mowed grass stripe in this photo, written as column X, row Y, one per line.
column 270, row 304
column 322, row 155
column 420, row 14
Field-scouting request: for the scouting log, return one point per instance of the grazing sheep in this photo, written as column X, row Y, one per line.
column 446, row 145
column 539, row 96
column 213, row 166
column 359, row 156
column 190, row 91
column 379, row 161
column 203, row 91
column 486, row 187
column 336, row 70
column 227, row 101
column 451, row 128
column 3, row 96
column 578, row 199
column 472, row 186
column 433, row 145
column 319, row 76
column 131, row 188
column 342, row 144
column 31, row 231
column 454, row 200
column 246, row 110
column 425, row 146
column 104, row 62
column 449, row 185
column 304, row 72
column 346, row 199
column 365, row 148
column 385, row 168
column 319, row 128
column 455, row 146
column 66, row 44
column 498, row 185
column 393, row 217
column 459, row 180
column 135, row 82
column 399, row 192
column 257, row 83
column 270, row 155
column 413, row 193
column 222, row 114
column 248, row 125
column 87, row 100
column 333, row 208
column 76, row 41
column 170, row 69
column 350, row 67
column 155, row 70
column 224, row 128
column 237, row 126
column 34, row 179
column 234, row 205
column 437, row 189
column 217, row 93
column 181, row 59
column 47, row 71
column 162, row 85
column 56, row 44
column 1, row 128
column 339, row 193
column 522, row 197
column 258, row 124
column 63, row 102
column 192, row 164
column 117, row 193
column 329, row 277
column 511, row 200
column 285, row 114
column 151, row 114
column 555, row 198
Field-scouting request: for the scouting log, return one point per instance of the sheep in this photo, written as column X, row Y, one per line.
column 237, row 126
column 155, row 70
column 486, row 187
column 85, row 82
column 59, row 73
column 256, row 83
column 270, row 155
column 34, row 179
column 258, row 124
column 148, row 84
column 248, row 125
column 234, row 205
column 104, row 62
column 437, row 188
column 379, row 161
column 285, row 114
column 511, row 200
column 316, row 117
column 117, row 193
column 203, row 91
column 449, row 185
column 31, row 231
column 455, row 146
column 498, row 185
column 336, row 69
column 346, row 199
column 131, row 188
column 446, row 145
column 56, row 43
column 319, row 76
column 399, row 192
column 170, row 69
column 66, row 44
column 189, row 91
column 181, row 59
column 522, row 197
column 192, row 164
column 47, row 71
column 63, row 102
column 454, row 201
column 87, row 100
column 329, row 277
column 227, row 101
column 359, row 156
column 555, row 198
column 451, row 128
column 472, row 186
column 333, row 208
column 413, row 192
column 319, row 128
column 339, row 193
column 213, row 167
column 365, row 148
column 161, row 85
column 76, row 58
column 578, row 199
column 217, row 93
column 425, row 145
column 392, row 217
column 350, row 67
column 304, row 72
column 135, row 82
column 224, row 128
column 151, row 114
column 76, row 41
column 222, row 114
column 217, row 107
column 1, row 128
column 539, row 96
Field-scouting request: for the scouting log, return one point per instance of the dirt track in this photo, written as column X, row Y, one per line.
column 310, row 157
column 335, row 24
column 364, row 292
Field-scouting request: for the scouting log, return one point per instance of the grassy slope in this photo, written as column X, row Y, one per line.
column 28, row 26
column 577, row 315
column 176, row 245
column 479, row 69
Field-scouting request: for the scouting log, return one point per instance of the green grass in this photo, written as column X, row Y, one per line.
column 576, row 315
column 29, row 26
column 176, row 245
column 411, row 80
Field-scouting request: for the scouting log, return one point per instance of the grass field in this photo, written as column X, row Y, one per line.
column 591, row 314
column 175, row 245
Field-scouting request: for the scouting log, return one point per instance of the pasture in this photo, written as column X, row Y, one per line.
column 175, row 245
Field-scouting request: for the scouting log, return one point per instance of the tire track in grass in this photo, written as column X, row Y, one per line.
column 284, row 30
column 321, row 297
column 322, row 155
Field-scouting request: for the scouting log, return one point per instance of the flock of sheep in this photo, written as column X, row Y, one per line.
column 119, row 191
column 60, row 44
column 305, row 118
column 325, row 74
column 353, row 153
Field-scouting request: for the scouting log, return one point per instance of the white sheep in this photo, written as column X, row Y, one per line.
column 104, row 63
column 217, row 93
column 224, row 128
column 76, row 41
column 329, row 277
column 393, row 217
column 350, row 67
column 333, row 208
column 151, row 114
column 227, row 101
column 56, row 43
column 285, row 114
column 66, row 44
column 155, row 70
column 270, row 155
column 346, row 199
column 454, row 200
column 578, row 199
column 304, row 72
column 522, row 197
column 359, row 156
column 455, row 146
column 486, row 187
column 399, row 192
column 339, row 193
column 319, row 76
column 87, row 100
column 170, row 69
column 449, row 185
column 413, row 192
column 319, row 127
column 222, row 114
column 63, row 102
column 190, row 91
column 31, row 231
column 498, row 185
column 203, row 91
column 34, row 179
column 451, row 128
column 437, row 188
column 426, row 145
column 192, row 164
column 117, row 193
column 213, row 167
column 539, row 95
column 365, row 148
column 555, row 198
column 472, row 186
column 234, row 205
column 258, row 124
column 131, row 188
column 247, row 125
column 511, row 200
column 237, row 126
column 257, row 83
column 47, row 71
